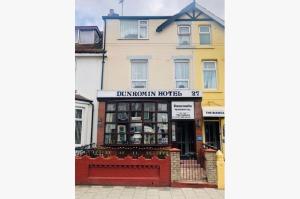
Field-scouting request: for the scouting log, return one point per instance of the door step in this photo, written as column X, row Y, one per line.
column 191, row 184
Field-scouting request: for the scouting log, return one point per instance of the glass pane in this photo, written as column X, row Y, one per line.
column 78, row 127
column 86, row 37
column 136, row 116
column 210, row 79
column 149, row 116
column 181, row 70
column 162, row 138
column 111, row 107
column 129, row 29
column 107, row 139
column 110, row 117
column 162, row 117
column 204, row 38
column 149, row 128
column 110, row 128
column 78, row 113
column 184, row 30
column 184, row 40
column 162, row 107
column 139, row 84
column 139, row 70
column 136, row 106
column 204, row 28
column 209, row 66
column 122, row 134
column 162, row 128
column 136, row 128
column 149, row 138
column 143, row 32
column 136, row 139
column 123, row 107
column 182, row 84
column 123, row 117
column 149, row 106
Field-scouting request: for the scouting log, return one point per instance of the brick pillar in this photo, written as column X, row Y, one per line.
column 211, row 166
column 175, row 164
column 101, row 123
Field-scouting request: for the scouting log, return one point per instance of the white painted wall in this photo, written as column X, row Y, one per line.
column 87, row 83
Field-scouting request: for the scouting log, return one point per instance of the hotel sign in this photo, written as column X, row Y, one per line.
column 149, row 93
column 182, row 110
column 213, row 111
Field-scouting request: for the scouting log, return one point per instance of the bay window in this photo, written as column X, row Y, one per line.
column 182, row 73
column 205, row 35
column 137, row 123
column 139, row 73
column 210, row 75
column 134, row 29
column 184, row 35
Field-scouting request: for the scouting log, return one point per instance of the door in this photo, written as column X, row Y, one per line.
column 185, row 138
column 212, row 133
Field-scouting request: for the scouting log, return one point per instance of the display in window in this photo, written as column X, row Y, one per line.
column 162, row 107
column 110, row 128
column 136, row 106
column 149, row 116
column 122, row 117
column 149, row 128
column 123, row 107
column 111, row 107
column 162, row 128
column 149, row 107
column 162, row 138
column 136, row 128
column 121, row 134
column 136, row 116
column 136, row 139
column 162, row 117
column 110, row 117
column 149, row 138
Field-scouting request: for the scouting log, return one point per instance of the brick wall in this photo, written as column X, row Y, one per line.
column 211, row 166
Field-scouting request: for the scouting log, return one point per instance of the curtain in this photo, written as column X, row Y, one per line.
column 210, row 75
column 87, row 37
column 181, row 70
column 139, row 70
column 129, row 29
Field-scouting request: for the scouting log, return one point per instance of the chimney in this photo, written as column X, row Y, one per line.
column 112, row 13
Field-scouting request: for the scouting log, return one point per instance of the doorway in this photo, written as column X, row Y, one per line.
column 212, row 133
column 185, row 139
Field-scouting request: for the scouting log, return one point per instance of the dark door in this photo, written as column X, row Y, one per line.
column 185, row 138
column 212, row 133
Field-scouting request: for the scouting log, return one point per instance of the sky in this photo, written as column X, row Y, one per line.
column 90, row 12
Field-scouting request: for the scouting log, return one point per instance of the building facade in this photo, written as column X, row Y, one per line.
column 88, row 72
column 153, row 83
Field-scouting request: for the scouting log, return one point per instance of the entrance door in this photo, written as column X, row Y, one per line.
column 185, row 139
column 212, row 133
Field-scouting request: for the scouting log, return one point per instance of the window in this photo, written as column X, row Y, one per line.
column 182, row 73
column 184, row 34
column 134, row 29
column 210, row 75
column 137, row 123
column 86, row 36
column 78, row 126
column 139, row 73
column 76, row 35
column 205, row 36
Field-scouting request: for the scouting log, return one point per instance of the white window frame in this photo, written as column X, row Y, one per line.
column 139, row 80
column 203, row 69
column 184, row 34
column 138, row 27
column 79, row 41
column 209, row 28
column 82, row 139
column 188, row 80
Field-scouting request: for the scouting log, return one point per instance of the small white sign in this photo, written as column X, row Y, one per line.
column 213, row 111
column 182, row 110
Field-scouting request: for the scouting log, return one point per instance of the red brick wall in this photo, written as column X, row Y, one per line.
column 198, row 119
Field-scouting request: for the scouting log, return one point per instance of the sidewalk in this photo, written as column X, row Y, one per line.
column 121, row 192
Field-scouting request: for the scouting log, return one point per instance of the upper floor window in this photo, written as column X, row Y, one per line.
column 205, row 35
column 134, row 29
column 210, row 74
column 184, row 35
column 182, row 73
column 86, row 36
column 139, row 73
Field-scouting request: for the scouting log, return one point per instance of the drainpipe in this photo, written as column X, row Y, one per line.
column 103, row 54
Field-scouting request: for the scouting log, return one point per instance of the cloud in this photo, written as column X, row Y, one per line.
column 90, row 12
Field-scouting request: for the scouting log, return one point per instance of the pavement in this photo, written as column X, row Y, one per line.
column 124, row 192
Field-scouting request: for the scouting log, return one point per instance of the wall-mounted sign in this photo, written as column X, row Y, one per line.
column 199, row 138
column 182, row 110
column 213, row 111
column 149, row 93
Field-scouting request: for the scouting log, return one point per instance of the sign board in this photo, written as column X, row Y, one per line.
column 213, row 111
column 182, row 110
column 199, row 138
column 149, row 93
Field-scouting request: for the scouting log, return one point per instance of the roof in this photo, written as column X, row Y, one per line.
column 194, row 6
column 81, row 98
column 90, row 48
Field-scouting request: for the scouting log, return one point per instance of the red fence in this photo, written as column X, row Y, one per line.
column 118, row 171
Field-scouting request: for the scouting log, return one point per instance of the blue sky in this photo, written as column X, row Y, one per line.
column 90, row 12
